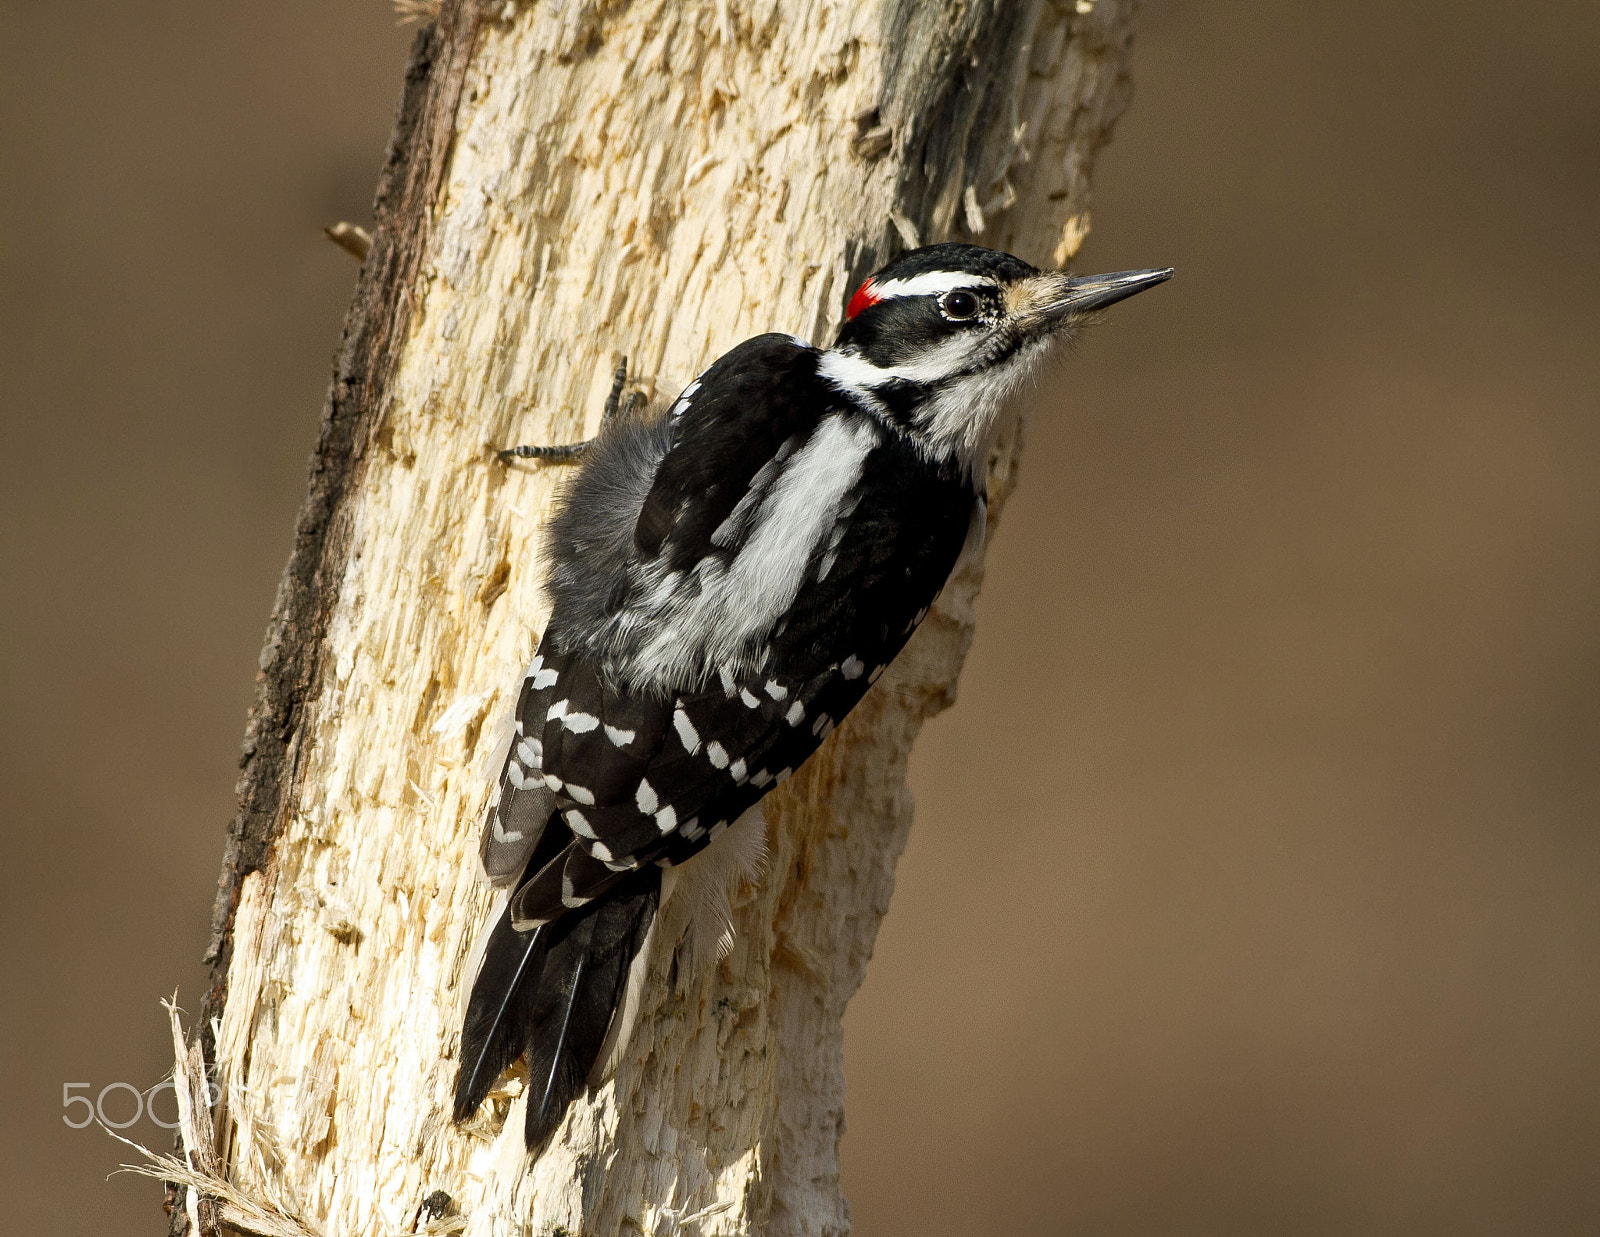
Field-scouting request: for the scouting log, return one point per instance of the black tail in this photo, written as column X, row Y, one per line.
column 550, row 992
column 495, row 1030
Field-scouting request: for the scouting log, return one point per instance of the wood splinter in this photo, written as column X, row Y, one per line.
column 350, row 237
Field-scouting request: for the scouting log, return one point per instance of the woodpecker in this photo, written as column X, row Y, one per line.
column 726, row 580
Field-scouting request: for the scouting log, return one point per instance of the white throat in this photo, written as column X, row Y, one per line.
column 962, row 415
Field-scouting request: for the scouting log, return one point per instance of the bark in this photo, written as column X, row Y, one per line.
column 569, row 183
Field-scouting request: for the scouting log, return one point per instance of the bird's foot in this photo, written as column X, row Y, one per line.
column 566, row 453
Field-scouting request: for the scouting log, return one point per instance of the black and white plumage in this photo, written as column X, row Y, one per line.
column 727, row 581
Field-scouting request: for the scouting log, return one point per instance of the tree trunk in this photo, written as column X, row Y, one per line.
column 569, row 183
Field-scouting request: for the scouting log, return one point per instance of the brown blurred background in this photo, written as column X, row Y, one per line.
column 1255, row 887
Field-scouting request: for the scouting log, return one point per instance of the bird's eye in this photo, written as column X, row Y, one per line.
column 959, row 305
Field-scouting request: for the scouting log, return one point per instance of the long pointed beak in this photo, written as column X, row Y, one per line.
column 1049, row 300
column 1088, row 292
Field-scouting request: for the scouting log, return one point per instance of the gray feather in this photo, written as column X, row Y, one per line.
column 511, row 829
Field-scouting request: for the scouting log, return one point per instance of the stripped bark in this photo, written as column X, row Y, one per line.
column 659, row 178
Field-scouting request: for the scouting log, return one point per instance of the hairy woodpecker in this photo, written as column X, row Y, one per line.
column 726, row 581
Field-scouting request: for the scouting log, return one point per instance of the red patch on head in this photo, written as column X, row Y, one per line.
column 864, row 297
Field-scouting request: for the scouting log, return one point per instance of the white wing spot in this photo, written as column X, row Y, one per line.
column 681, row 404
column 760, row 777
column 823, row 722
column 531, row 752
column 579, row 824
column 569, row 898
column 796, row 714
column 601, row 851
column 717, row 754
column 556, row 711
column 781, row 776
column 645, row 797
column 728, row 685
column 851, row 667
column 667, row 819
column 580, row 723
column 750, row 702
column 692, row 830
column 737, row 770
column 687, row 734
column 619, row 737
column 552, row 781
column 776, row 690
column 580, row 794
column 544, row 679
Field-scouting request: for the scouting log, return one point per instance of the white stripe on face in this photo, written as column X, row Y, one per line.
column 855, row 373
column 929, row 283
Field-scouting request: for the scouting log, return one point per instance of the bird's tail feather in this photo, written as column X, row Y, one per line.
column 494, row 1032
column 577, row 994
column 550, row 993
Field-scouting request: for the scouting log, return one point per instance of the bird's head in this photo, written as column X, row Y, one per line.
column 940, row 339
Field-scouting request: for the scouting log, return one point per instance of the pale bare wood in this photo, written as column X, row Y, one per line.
column 660, row 179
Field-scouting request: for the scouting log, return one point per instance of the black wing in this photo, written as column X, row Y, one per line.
column 727, row 426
